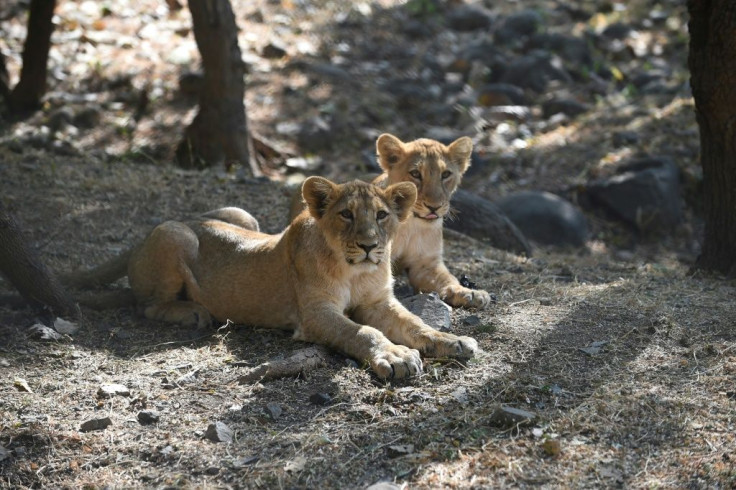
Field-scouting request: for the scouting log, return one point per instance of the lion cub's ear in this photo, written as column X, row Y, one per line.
column 402, row 197
column 317, row 193
column 390, row 151
column 460, row 151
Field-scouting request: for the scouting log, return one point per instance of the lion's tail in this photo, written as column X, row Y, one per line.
column 106, row 300
column 105, row 273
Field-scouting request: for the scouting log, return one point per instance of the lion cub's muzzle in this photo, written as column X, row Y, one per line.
column 361, row 252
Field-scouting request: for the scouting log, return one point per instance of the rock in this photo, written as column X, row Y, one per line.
column 22, row 385
column 518, row 26
column 65, row 327
column 108, row 391
column 148, row 416
column 4, row 454
column 87, row 118
column 546, row 218
column 617, row 31
column 500, row 94
column 431, row 309
column 398, row 450
column 384, row 485
column 483, row 220
column 467, row 18
column 574, row 50
column 274, row 410
column 273, row 50
column 315, row 135
column 511, row 417
column 534, row 71
column 95, row 424
column 551, row 447
column 320, row 398
column 471, row 320
column 645, row 193
column 625, row 138
column 191, row 83
column 594, row 348
column 569, row 107
column 219, row 432
column 42, row 332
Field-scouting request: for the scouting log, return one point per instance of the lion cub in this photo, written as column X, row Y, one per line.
column 436, row 170
column 327, row 276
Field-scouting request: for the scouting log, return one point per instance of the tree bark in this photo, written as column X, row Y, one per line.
column 26, row 96
column 27, row 273
column 219, row 132
column 712, row 63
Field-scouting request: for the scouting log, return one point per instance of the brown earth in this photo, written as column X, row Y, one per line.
column 649, row 403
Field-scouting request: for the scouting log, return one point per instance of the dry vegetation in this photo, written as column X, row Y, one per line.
column 650, row 402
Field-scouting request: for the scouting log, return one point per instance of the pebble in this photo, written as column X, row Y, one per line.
column 510, row 417
column 274, row 410
column 219, row 432
column 320, row 398
column 148, row 416
column 95, row 424
column 108, row 391
column 431, row 309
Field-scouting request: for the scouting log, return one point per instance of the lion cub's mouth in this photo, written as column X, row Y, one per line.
column 428, row 216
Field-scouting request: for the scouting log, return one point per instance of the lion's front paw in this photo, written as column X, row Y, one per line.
column 456, row 295
column 449, row 345
column 396, row 361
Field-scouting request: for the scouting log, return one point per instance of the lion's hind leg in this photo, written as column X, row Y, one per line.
column 162, row 280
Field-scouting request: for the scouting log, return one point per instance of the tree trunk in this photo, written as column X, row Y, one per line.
column 25, row 271
column 219, row 132
column 712, row 62
column 26, row 96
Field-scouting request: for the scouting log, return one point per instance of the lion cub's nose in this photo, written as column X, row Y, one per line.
column 367, row 248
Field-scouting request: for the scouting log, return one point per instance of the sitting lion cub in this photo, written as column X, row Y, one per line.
column 327, row 276
column 436, row 170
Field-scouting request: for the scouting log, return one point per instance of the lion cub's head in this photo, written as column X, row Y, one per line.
column 434, row 168
column 359, row 220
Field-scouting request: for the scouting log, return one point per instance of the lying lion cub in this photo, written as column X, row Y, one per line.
column 436, row 170
column 327, row 276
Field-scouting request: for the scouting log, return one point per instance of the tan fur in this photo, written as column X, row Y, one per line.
column 327, row 276
column 436, row 170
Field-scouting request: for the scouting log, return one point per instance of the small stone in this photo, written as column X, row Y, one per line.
column 42, row 332
column 95, row 424
column 471, row 320
column 148, row 416
column 431, row 309
column 108, row 391
column 65, row 327
column 4, row 454
column 594, row 348
column 240, row 462
column 274, row 410
column 22, row 385
column 510, row 417
column 320, row 398
column 398, row 450
column 467, row 18
column 273, row 50
column 219, row 432
column 384, row 485
column 551, row 447
column 212, row 470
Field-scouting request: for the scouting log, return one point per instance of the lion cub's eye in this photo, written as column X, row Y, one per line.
column 381, row 214
column 446, row 174
column 346, row 213
column 416, row 174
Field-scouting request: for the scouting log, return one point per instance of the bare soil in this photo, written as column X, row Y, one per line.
column 625, row 356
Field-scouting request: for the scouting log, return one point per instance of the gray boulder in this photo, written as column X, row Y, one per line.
column 483, row 220
column 644, row 193
column 546, row 218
